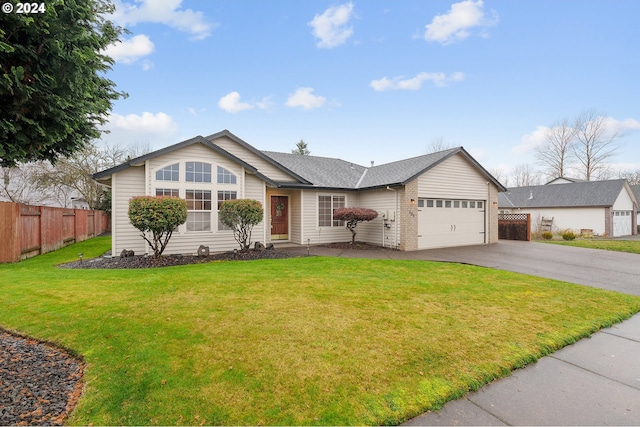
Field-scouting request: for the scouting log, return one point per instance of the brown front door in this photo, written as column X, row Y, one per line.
column 279, row 217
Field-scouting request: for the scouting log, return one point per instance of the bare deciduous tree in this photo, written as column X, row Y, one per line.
column 594, row 143
column 556, row 153
column 438, row 144
column 17, row 184
column 499, row 174
column 524, row 175
column 632, row 176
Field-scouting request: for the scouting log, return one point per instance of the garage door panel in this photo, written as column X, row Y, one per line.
column 452, row 224
column 622, row 223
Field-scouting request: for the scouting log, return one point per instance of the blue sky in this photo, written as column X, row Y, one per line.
column 374, row 80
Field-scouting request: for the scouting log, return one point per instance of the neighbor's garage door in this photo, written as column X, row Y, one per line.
column 443, row 223
column 621, row 223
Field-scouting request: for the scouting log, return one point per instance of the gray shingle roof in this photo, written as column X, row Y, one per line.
column 327, row 172
column 320, row 171
column 577, row 194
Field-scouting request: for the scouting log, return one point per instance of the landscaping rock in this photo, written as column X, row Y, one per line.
column 39, row 384
column 203, row 251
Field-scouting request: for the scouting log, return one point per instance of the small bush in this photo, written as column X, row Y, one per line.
column 547, row 235
column 158, row 216
column 241, row 215
column 569, row 235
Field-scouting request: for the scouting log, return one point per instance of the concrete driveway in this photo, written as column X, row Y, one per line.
column 616, row 271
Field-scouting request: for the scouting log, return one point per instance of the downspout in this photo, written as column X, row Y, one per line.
column 487, row 215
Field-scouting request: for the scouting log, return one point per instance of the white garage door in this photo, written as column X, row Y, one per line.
column 443, row 223
column 621, row 223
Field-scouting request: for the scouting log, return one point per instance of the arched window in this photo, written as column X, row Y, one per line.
column 198, row 172
column 169, row 173
column 225, row 177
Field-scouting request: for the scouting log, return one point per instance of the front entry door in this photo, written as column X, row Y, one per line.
column 279, row 217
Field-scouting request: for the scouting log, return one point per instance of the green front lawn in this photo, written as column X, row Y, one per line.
column 297, row 341
column 631, row 246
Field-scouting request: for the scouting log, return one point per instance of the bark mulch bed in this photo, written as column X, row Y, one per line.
column 141, row 261
column 39, row 384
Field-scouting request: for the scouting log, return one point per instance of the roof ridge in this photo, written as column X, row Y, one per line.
column 362, row 177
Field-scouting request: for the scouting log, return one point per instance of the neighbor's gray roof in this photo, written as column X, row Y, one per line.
column 577, row 194
column 324, row 172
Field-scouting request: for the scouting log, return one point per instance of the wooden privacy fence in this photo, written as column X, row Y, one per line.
column 27, row 231
column 514, row 226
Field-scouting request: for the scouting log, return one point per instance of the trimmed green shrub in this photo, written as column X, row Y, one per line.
column 159, row 216
column 241, row 215
column 568, row 235
column 547, row 235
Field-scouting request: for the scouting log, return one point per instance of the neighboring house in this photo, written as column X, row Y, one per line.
column 636, row 192
column 564, row 180
column 436, row 200
column 606, row 208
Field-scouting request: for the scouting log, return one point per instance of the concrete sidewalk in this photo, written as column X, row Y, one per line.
column 595, row 381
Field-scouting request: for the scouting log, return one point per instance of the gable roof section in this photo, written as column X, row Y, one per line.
column 139, row 161
column 251, row 148
column 577, row 194
column 326, row 172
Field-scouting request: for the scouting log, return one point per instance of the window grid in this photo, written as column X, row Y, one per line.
column 223, row 196
column 168, row 192
column 326, row 206
column 169, row 173
column 225, row 176
column 198, row 172
column 198, row 210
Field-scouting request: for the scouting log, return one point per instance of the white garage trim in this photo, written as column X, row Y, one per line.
column 451, row 222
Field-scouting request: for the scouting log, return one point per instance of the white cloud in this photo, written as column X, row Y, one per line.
column 331, row 28
column 157, row 129
column 621, row 128
column 231, row 103
column 531, row 140
column 130, row 50
column 163, row 12
column 415, row 83
column 304, row 98
column 457, row 24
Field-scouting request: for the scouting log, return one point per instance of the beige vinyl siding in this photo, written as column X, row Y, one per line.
column 384, row 202
column 254, row 160
column 453, row 178
column 311, row 230
column 125, row 185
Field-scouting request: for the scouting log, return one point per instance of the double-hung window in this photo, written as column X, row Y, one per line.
column 223, row 196
column 198, row 210
column 326, row 206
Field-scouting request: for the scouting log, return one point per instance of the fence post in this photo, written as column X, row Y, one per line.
column 9, row 232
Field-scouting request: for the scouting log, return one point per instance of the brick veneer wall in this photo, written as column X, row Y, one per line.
column 409, row 217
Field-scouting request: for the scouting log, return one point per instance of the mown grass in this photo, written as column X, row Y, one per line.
column 297, row 341
column 631, row 246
